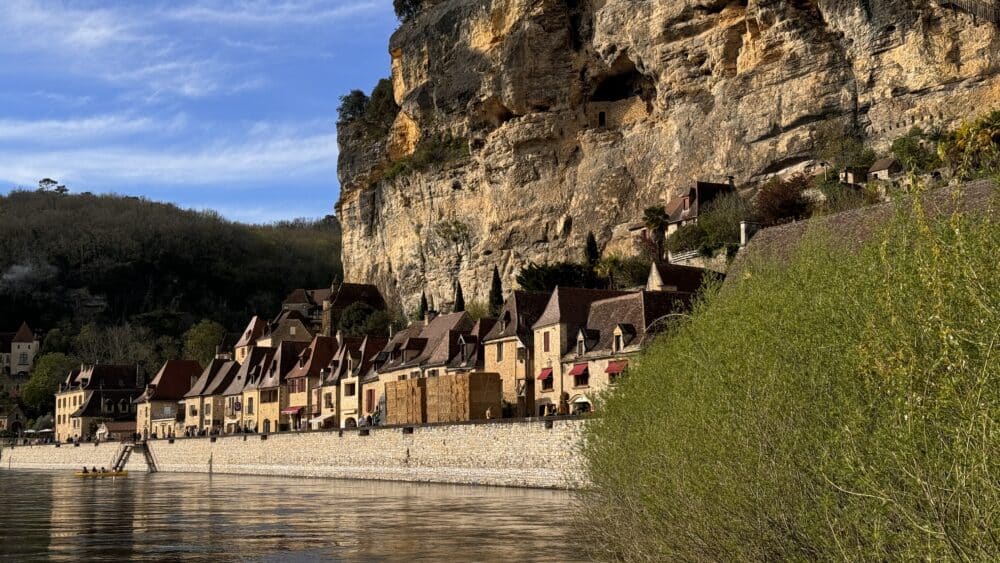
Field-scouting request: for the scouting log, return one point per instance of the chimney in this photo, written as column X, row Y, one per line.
column 340, row 338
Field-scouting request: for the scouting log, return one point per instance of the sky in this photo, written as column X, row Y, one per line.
column 227, row 105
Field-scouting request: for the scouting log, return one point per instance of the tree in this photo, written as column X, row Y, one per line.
column 656, row 219
column 592, row 254
column 406, row 9
column 352, row 106
column 912, row 151
column 459, row 298
column 360, row 319
column 50, row 370
column 422, row 311
column 46, row 184
column 623, row 272
column 56, row 341
column 62, row 189
column 546, row 277
column 842, row 146
column 201, row 341
column 496, row 294
column 782, row 199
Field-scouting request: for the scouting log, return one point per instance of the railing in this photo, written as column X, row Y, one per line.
column 675, row 257
column 988, row 10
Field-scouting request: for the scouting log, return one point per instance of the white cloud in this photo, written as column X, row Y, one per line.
column 104, row 127
column 272, row 12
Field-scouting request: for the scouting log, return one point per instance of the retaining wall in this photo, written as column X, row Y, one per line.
column 530, row 453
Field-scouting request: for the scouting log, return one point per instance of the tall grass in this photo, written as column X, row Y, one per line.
column 838, row 406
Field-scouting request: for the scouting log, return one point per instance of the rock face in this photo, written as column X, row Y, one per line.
column 580, row 113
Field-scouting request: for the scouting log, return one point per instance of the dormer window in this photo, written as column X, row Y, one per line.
column 291, row 330
column 687, row 203
column 619, row 343
column 581, row 347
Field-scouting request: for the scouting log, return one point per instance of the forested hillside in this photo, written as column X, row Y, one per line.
column 70, row 260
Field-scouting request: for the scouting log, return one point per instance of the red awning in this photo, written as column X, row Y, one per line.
column 617, row 367
column 291, row 410
column 578, row 369
column 546, row 373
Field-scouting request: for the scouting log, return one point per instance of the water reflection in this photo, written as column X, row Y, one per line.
column 55, row 516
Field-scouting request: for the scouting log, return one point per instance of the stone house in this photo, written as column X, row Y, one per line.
column 322, row 307
column 555, row 334
column 616, row 329
column 303, row 382
column 854, row 177
column 685, row 209
column 885, row 169
column 17, row 356
column 468, row 355
column 288, row 326
column 93, row 394
column 11, row 418
column 357, row 402
column 203, row 404
column 508, row 349
column 276, row 414
column 247, row 375
column 253, row 331
column 330, row 392
column 159, row 409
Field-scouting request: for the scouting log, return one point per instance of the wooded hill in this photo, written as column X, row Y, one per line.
column 70, row 260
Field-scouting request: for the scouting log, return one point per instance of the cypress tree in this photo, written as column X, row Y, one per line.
column 496, row 294
column 459, row 298
column 422, row 312
column 592, row 254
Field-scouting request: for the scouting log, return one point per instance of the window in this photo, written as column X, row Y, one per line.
column 602, row 119
column 581, row 380
column 581, row 347
column 547, row 383
column 369, row 400
column 250, row 405
column 328, row 400
column 291, row 330
column 619, row 343
column 24, row 358
column 545, row 342
column 193, row 411
column 687, row 204
column 499, row 352
column 350, row 389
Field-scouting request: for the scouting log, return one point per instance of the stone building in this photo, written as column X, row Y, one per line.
column 508, row 349
column 93, row 394
column 685, row 208
column 245, row 379
column 322, row 307
column 555, row 334
column 357, row 401
column 330, row 392
column 204, row 406
column 288, row 326
column 159, row 410
column 305, row 378
column 275, row 412
column 253, row 331
column 17, row 356
column 11, row 418
column 885, row 169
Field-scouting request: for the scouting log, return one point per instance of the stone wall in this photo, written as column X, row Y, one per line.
column 534, row 453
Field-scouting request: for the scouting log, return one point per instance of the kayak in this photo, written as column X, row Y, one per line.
column 102, row 474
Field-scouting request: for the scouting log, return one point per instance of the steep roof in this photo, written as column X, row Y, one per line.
column 520, row 312
column 314, row 358
column 348, row 293
column 207, row 378
column 634, row 313
column 253, row 331
column 685, row 278
column 350, row 346
column 93, row 405
column 437, row 341
column 285, row 356
column 851, row 229
column 570, row 305
column 172, row 382
column 310, row 297
column 883, row 164
column 104, row 376
column 24, row 335
column 362, row 353
column 243, row 375
column 222, row 379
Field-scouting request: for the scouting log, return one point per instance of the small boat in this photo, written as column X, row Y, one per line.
column 98, row 474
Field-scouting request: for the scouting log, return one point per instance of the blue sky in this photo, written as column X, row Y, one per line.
column 220, row 104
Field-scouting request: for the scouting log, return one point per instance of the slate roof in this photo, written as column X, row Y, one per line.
column 686, row 278
column 363, row 354
column 253, row 331
column 469, row 348
column 853, row 228
column 348, row 293
column 246, row 374
column 92, row 406
column 222, row 379
column 104, row 376
column 435, row 344
column 314, row 358
column 634, row 313
column 519, row 314
column 285, row 356
column 24, row 335
column 172, row 382
column 570, row 305
column 209, row 377
column 350, row 346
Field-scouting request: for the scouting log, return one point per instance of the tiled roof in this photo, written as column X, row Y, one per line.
column 634, row 313
column 104, row 376
column 883, row 164
column 437, row 341
column 520, row 312
column 172, row 381
column 285, row 356
column 253, row 331
column 208, row 377
column 246, row 373
column 314, row 358
column 24, row 335
column 685, row 278
column 92, row 407
column 350, row 346
column 310, row 297
column 347, row 293
column 222, row 379
column 570, row 305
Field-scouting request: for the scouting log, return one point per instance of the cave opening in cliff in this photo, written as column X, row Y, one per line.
column 622, row 82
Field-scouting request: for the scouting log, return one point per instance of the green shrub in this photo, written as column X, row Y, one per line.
column 973, row 150
column 432, row 151
column 373, row 116
column 407, row 9
column 914, row 151
column 791, row 419
column 623, row 272
column 545, row 277
column 783, row 199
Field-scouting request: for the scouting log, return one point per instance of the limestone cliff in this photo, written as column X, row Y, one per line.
column 580, row 113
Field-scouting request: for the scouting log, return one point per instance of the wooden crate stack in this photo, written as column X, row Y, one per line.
column 406, row 402
column 463, row 397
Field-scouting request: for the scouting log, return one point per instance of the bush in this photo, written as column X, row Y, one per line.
column 623, row 272
column 783, row 199
column 789, row 419
column 361, row 319
column 914, row 153
column 407, row 9
column 372, row 116
column 842, row 146
column 973, row 150
column 546, row 277
column 431, row 151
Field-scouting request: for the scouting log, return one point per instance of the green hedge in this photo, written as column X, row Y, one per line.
column 840, row 406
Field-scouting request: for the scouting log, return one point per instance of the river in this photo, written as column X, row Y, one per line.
column 194, row 517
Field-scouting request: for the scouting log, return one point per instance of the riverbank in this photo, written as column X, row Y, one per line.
column 537, row 453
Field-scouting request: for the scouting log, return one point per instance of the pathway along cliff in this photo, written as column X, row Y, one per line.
column 525, row 124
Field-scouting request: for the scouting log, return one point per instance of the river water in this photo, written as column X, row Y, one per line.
column 194, row 517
